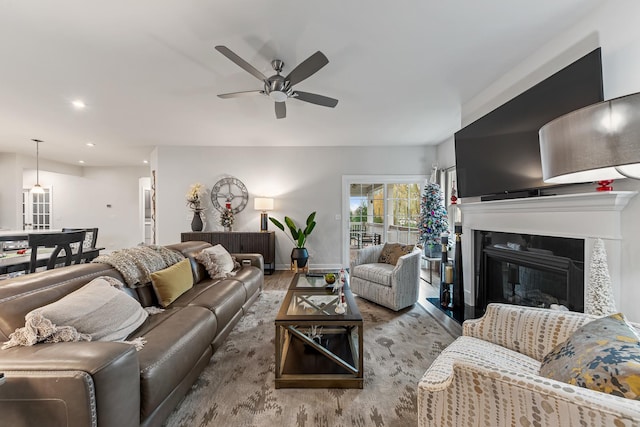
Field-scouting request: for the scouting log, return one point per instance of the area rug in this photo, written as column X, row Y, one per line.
column 237, row 387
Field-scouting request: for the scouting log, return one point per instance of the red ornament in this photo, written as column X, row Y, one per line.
column 605, row 185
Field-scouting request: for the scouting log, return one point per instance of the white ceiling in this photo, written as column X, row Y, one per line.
column 149, row 74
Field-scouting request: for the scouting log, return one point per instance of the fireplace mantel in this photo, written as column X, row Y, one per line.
column 586, row 216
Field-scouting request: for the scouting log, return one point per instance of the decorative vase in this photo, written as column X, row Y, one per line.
column 196, row 222
column 433, row 250
column 301, row 255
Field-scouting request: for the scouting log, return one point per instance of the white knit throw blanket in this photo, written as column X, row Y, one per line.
column 136, row 264
column 40, row 328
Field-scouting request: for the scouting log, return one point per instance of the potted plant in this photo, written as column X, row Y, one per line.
column 299, row 254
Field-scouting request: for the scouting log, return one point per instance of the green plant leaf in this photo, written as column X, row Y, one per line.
column 309, row 228
column 277, row 223
column 292, row 227
column 310, row 218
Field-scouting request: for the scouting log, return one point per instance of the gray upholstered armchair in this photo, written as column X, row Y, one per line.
column 391, row 284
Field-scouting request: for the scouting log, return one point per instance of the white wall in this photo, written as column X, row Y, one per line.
column 614, row 28
column 301, row 180
column 81, row 201
column 446, row 153
column 10, row 192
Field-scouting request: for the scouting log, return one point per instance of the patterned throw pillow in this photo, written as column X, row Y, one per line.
column 217, row 261
column 392, row 251
column 603, row 355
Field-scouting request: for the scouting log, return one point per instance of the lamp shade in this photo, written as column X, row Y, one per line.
column 263, row 204
column 595, row 143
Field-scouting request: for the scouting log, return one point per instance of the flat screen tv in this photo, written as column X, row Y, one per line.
column 498, row 155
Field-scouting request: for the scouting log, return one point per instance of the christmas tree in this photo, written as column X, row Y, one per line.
column 599, row 292
column 433, row 216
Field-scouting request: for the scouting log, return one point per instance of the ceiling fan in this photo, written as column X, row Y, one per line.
column 278, row 87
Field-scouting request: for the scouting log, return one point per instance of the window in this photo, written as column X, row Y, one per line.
column 403, row 213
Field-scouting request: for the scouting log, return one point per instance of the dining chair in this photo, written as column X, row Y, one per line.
column 90, row 237
column 59, row 241
column 89, row 245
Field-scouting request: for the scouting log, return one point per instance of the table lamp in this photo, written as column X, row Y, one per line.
column 263, row 204
column 600, row 142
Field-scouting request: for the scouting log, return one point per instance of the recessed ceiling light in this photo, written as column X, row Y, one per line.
column 79, row 104
column 81, row 161
column 145, row 161
column 90, row 144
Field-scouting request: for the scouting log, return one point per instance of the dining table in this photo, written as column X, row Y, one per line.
column 15, row 254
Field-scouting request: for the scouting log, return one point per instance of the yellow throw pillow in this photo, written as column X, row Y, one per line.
column 172, row 282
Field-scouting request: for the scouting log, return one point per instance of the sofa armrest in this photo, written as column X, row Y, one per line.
column 256, row 260
column 527, row 330
column 410, row 260
column 499, row 396
column 367, row 255
column 407, row 268
column 71, row 384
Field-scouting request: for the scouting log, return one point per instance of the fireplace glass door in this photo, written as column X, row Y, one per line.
column 535, row 271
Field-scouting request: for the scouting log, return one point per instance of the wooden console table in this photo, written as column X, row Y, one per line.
column 241, row 242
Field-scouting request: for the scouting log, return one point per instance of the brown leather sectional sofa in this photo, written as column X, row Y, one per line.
column 110, row 384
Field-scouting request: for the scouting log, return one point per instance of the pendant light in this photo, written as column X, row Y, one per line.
column 37, row 188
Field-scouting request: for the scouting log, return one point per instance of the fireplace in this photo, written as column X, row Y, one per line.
column 584, row 217
column 531, row 270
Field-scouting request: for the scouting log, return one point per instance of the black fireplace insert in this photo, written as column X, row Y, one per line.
column 536, row 271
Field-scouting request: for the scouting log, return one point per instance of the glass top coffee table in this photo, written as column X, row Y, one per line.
column 318, row 345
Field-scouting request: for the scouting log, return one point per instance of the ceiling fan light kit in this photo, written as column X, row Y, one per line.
column 280, row 88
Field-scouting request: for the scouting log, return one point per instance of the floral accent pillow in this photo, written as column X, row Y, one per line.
column 391, row 252
column 603, row 355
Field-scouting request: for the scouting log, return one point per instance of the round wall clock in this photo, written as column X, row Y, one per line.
column 229, row 192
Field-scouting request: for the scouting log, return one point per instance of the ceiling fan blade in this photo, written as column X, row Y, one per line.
column 281, row 110
column 241, row 94
column 241, row 62
column 313, row 98
column 307, row 67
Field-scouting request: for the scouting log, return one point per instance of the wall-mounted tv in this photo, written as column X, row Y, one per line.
column 498, row 155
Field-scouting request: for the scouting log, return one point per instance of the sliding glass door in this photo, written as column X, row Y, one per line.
column 380, row 209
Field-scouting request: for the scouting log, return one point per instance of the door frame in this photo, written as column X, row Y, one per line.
column 347, row 180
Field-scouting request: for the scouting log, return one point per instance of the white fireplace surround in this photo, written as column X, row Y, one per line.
column 587, row 216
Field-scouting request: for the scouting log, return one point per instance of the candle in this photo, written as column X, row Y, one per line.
column 448, row 274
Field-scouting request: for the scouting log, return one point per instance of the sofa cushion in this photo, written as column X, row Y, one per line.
column 380, row 273
column 176, row 340
column 252, row 279
column 98, row 311
column 218, row 262
column 224, row 298
column 170, row 283
column 391, row 252
column 603, row 355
